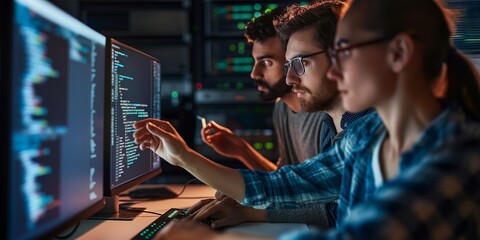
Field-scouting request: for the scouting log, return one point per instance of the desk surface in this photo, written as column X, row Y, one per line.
column 110, row 229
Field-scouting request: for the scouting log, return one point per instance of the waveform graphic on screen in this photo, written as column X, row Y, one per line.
column 40, row 132
column 56, row 118
column 47, row 56
column 38, row 202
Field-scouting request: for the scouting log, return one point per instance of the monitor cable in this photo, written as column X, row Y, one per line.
column 70, row 233
column 185, row 186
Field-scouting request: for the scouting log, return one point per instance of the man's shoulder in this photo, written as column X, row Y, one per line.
column 367, row 119
column 361, row 131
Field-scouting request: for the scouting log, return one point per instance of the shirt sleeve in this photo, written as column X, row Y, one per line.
column 438, row 199
column 316, row 180
column 321, row 215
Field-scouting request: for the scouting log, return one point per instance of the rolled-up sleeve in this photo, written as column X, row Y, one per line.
column 316, row 180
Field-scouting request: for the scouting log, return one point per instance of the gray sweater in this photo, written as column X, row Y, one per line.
column 298, row 134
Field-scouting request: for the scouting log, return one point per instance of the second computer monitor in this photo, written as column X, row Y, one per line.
column 135, row 95
column 54, row 113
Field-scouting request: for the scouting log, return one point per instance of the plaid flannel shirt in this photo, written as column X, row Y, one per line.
column 435, row 194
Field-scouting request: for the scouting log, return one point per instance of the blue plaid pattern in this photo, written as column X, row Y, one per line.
column 435, row 195
column 329, row 133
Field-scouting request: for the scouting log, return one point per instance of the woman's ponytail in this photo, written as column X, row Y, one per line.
column 463, row 83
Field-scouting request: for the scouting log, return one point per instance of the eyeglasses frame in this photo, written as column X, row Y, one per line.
column 334, row 52
column 288, row 64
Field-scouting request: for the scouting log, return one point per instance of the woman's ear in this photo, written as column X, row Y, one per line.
column 400, row 52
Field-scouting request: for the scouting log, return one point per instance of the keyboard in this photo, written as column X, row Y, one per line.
column 173, row 214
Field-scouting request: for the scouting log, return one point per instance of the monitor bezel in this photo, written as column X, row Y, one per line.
column 112, row 191
column 6, row 16
column 54, row 229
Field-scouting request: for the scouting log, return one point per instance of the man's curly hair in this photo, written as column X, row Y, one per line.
column 261, row 28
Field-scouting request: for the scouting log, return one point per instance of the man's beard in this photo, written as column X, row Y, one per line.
column 317, row 103
column 279, row 89
column 325, row 98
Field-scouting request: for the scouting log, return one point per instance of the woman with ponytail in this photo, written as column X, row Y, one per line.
column 409, row 171
column 422, row 179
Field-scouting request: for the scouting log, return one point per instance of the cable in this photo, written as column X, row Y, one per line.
column 69, row 234
column 186, row 184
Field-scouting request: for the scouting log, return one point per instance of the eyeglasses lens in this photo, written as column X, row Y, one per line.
column 297, row 66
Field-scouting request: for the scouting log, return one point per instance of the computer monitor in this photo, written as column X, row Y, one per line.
column 134, row 94
column 55, row 116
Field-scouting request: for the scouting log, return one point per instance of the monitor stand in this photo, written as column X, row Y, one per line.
column 154, row 193
column 113, row 211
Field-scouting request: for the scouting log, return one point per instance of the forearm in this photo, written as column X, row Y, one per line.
column 254, row 160
column 254, row 215
column 226, row 180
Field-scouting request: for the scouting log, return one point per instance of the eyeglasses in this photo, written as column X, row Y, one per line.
column 346, row 51
column 297, row 63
